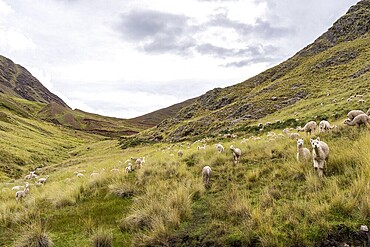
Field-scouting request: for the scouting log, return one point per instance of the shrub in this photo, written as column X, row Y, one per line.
column 35, row 235
column 102, row 238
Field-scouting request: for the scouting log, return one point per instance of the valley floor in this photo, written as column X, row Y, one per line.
column 267, row 199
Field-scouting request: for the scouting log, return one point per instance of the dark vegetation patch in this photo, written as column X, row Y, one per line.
column 342, row 234
column 338, row 58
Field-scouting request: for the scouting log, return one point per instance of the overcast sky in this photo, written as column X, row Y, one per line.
column 125, row 58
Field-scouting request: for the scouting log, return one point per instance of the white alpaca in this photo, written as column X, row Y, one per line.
column 206, row 174
column 128, row 168
column 79, row 175
column 325, row 125
column 202, row 147
column 352, row 114
column 94, row 174
column 43, row 180
column 114, row 170
column 31, row 175
column 139, row 162
column 320, row 155
column 220, row 148
column 236, row 153
column 22, row 193
column 18, row 187
column 293, row 136
column 303, row 154
column 309, row 128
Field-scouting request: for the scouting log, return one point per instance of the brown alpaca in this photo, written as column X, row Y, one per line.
column 359, row 120
column 352, row 114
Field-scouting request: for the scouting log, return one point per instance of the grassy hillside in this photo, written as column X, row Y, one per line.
column 268, row 199
column 27, row 142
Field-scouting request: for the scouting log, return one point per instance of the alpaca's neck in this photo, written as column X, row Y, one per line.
column 351, row 123
column 317, row 151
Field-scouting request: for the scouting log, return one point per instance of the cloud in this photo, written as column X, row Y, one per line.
column 12, row 40
column 261, row 28
column 161, row 32
column 157, row 31
column 5, row 9
column 250, row 51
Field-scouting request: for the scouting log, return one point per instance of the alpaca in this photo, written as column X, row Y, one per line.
column 22, row 193
column 202, row 147
column 79, row 175
column 352, row 114
column 293, row 136
column 220, row 148
column 139, row 162
column 359, row 120
column 43, row 180
column 320, row 155
column 361, row 101
column 309, row 128
column 180, row 153
column 128, row 168
column 325, row 125
column 206, row 174
column 236, row 153
column 303, row 154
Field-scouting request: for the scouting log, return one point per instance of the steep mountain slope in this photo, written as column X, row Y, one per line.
column 313, row 83
column 17, row 81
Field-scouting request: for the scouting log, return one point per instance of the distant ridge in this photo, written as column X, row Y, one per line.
column 17, row 81
column 153, row 118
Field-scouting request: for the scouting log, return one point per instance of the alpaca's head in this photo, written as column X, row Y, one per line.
column 347, row 121
column 315, row 142
column 300, row 142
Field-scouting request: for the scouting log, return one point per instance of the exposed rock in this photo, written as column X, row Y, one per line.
column 355, row 23
column 341, row 57
column 360, row 72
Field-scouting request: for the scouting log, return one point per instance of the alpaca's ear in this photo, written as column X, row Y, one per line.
column 311, row 140
column 318, row 138
column 296, row 139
